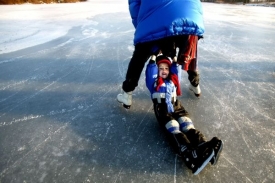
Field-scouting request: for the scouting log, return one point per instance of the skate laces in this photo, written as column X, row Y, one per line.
column 194, row 154
column 183, row 148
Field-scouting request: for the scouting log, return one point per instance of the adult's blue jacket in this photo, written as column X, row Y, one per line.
column 156, row 19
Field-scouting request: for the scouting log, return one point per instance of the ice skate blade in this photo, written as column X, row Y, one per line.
column 126, row 106
column 197, row 95
column 217, row 154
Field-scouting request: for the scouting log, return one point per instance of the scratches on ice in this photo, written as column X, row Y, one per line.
column 36, row 93
column 149, row 109
column 36, row 148
column 13, row 85
column 241, row 172
column 25, row 118
column 175, row 169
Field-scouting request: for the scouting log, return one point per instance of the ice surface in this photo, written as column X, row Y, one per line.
column 62, row 65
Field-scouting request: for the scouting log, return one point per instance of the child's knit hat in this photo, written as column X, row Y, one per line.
column 163, row 59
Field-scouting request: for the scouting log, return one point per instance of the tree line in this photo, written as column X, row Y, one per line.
column 239, row 1
column 3, row 2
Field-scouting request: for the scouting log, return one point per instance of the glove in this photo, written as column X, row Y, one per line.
column 173, row 53
column 155, row 50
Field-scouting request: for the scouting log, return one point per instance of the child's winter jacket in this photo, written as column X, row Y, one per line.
column 167, row 91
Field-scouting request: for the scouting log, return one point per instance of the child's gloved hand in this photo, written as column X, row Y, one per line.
column 155, row 50
column 173, row 53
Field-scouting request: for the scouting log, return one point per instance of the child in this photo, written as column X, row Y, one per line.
column 162, row 82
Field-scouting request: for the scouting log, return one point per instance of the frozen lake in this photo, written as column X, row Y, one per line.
column 62, row 65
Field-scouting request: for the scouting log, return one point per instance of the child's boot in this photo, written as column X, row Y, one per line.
column 217, row 145
column 125, row 98
column 195, row 158
column 197, row 138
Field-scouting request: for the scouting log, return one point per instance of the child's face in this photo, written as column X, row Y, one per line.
column 163, row 70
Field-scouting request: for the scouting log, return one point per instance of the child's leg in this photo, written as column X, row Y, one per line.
column 178, row 139
column 195, row 158
column 187, row 127
column 171, row 127
column 196, row 138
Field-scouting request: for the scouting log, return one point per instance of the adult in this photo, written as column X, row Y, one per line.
column 164, row 25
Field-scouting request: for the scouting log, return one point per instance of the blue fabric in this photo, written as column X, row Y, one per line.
column 173, row 127
column 151, row 74
column 156, row 19
column 174, row 130
column 186, row 126
column 168, row 96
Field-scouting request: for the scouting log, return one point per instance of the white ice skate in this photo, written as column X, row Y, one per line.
column 196, row 90
column 125, row 98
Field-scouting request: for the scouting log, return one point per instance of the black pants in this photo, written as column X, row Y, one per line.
column 162, row 114
column 142, row 53
column 192, row 138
